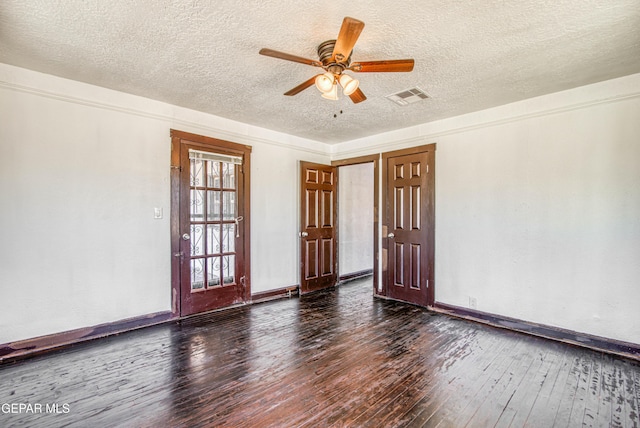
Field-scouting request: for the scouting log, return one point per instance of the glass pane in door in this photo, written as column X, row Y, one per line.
column 228, row 176
column 197, row 240
column 229, row 205
column 228, row 237
column 213, row 227
column 213, row 174
column 228, row 269
column 197, row 270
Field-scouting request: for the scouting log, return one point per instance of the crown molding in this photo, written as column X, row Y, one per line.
column 335, row 152
column 423, row 138
column 173, row 120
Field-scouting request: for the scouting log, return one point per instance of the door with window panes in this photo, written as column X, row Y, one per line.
column 213, row 227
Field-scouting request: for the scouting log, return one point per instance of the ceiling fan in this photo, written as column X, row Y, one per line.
column 335, row 58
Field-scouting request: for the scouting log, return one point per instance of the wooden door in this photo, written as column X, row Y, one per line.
column 210, row 223
column 318, row 249
column 409, row 225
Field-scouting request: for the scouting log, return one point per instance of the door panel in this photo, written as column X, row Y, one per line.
column 408, row 226
column 210, row 237
column 318, row 221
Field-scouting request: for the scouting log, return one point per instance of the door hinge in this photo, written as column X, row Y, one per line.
column 178, row 167
column 179, row 254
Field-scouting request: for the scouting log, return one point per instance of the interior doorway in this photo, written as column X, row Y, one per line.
column 358, row 218
column 355, row 221
column 401, row 234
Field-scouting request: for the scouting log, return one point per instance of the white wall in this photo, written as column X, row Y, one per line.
column 275, row 214
column 538, row 207
column 537, row 204
column 355, row 218
column 81, row 170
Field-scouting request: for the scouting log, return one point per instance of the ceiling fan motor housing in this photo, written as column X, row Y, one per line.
column 325, row 52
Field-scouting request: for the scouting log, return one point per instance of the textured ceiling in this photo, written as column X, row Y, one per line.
column 203, row 55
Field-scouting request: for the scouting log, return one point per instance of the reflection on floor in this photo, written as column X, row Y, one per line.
column 333, row 358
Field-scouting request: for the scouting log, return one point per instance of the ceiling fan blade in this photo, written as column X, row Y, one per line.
column 301, row 87
column 358, row 96
column 395, row 65
column 289, row 57
column 349, row 33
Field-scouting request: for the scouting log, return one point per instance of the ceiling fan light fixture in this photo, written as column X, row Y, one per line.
column 324, row 82
column 332, row 94
column 335, row 57
column 349, row 84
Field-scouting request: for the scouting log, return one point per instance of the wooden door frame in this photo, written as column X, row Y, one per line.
column 212, row 144
column 430, row 226
column 375, row 159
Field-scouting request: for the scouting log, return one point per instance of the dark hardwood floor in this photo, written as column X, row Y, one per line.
column 337, row 358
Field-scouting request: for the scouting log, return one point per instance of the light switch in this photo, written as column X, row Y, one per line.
column 157, row 213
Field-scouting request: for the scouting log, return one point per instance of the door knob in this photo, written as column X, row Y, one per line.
column 186, row 237
column 304, row 234
column 390, row 235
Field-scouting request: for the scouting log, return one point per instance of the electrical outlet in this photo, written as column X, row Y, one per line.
column 473, row 302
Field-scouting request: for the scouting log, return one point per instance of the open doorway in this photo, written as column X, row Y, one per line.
column 358, row 218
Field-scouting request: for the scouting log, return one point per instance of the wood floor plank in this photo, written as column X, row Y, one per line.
column 578, row 407
column 333, row 358
column 636, row 375
column 396, row 357
column 407, row 393
column 534, row 388
column 592, row 398
column 500, row 390
column 563, row 414
column 547, row 403
column 470, row 391
column 626, row 397
column 605, row 390
column 457, row 395
column 523, row 391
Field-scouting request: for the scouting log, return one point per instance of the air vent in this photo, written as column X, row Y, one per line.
column 408, row 96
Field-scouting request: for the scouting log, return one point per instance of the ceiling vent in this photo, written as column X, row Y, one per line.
column 408, row 96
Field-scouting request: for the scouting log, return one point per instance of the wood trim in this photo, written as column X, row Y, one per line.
column 38, row 345
column 355, row 275
column 376, row 206
column 598, row 343
column 410, row 151
column 280, row 293
column 356, row 161
column 175, row 224
column 431, row 227
column 201, row 139
column 247, row 220
column 376, row 224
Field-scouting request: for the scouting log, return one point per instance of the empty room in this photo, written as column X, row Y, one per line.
column 302, row 214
